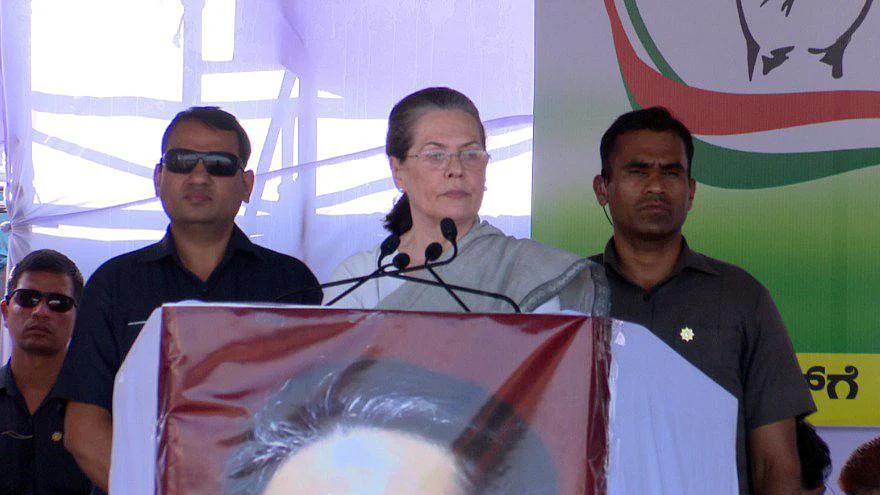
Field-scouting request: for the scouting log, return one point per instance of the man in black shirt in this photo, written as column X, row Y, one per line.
column 202, row 182
column 714, row 314
column 39, row 311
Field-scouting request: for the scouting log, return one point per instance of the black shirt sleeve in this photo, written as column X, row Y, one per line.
column 92, row 359
column 774, row 386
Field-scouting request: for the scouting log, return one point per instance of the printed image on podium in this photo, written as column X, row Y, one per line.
column 271, row 400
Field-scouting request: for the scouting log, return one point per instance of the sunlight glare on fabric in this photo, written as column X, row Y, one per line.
column 380, row 202
column 101, row 234
column 257, row 130
column 509, row 178
column 509, row 138
column 340, row 137
column 130, row 139
column 352, row 173
column 508, row 187
column 328, row 95
column 106, row 48
column 63, row 179
column 241, row 86
column 218, row 23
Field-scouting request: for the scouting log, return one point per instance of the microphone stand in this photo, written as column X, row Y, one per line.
column 448, row 229
column 468, row 290
column 432, row 252
column 358, row 281
column 388, row 246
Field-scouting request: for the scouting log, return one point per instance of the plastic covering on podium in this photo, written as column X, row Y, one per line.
column 243, row 399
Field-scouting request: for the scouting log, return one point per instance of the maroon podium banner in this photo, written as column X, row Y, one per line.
column 268, row 400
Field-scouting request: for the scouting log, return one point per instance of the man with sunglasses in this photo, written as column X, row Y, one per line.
column 202, row 182
column 39, row 310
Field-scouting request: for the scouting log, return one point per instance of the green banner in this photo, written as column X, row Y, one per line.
column 787, row 147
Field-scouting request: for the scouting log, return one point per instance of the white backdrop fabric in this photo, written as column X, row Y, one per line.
column 88, row 88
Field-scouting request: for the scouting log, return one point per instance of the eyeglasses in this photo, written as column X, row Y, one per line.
column 217, row 163
column 441, row 158
column 29, row 298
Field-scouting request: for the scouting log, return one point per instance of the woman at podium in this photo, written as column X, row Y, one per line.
column 436, row 145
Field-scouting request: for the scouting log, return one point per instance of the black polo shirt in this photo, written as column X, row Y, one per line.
column 122, row 293
column 723, row 321
column 33, row 460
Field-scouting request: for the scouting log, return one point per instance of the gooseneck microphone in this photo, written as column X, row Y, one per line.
column 450, row 232
column 432, row 252
column 401, row 261
column 448, row 229
column 388, row 246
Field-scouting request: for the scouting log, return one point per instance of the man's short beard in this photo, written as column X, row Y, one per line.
column 39, row 349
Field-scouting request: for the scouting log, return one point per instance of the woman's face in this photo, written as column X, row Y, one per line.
column 437, row 190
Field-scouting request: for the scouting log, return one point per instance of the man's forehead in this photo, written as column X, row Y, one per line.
column 649, row 147
column 32, row 279
column 195, row 134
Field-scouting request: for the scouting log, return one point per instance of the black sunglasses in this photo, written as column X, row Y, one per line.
column 217, row 163
column 29, row 298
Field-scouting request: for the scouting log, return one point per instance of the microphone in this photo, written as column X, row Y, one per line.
column 448, row 229
column 388, row 246
column 493, row 295
column 432, row 252
column 449, row 232
column 401, row 261
column 401, row 264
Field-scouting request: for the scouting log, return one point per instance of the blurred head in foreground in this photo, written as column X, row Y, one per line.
column 861, row 473
column 386, row 427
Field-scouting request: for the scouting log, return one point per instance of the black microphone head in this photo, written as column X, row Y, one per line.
column 433, row 251
column 448, row 229
column 389, row 245
column 401, row 261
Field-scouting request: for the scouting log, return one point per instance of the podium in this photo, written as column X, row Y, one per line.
column 217, row 366
column 542, row 404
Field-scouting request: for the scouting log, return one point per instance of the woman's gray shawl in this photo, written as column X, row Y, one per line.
column 528, row 272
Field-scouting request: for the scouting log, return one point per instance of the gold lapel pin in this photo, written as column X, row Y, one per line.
column 687, row 334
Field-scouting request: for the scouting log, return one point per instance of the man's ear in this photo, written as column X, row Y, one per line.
column 599, row 187
column 4, row 309
column 247, row 180
column 157, row 177
column 692, row 185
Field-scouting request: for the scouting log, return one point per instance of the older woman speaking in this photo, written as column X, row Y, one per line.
column 436, row 144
